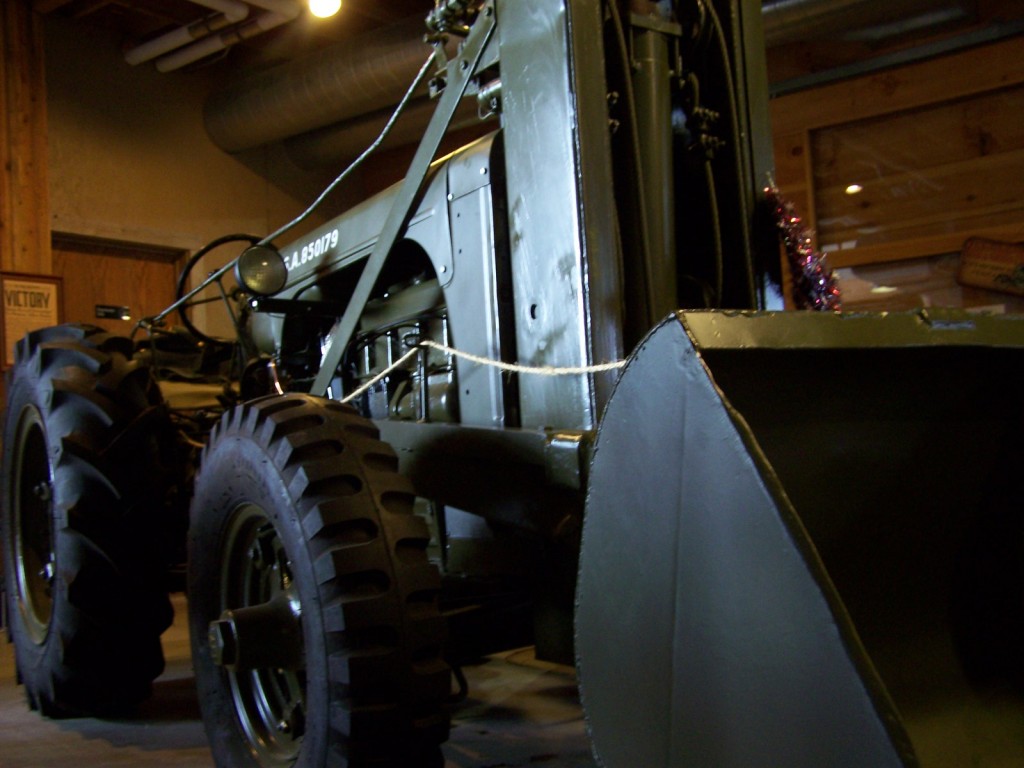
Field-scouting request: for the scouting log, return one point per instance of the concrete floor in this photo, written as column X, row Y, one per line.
column 519, row 713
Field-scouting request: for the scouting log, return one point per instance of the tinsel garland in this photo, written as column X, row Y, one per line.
column 814, row 285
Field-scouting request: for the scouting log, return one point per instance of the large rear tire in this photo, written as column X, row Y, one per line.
column 316, row 634
column 85, row 583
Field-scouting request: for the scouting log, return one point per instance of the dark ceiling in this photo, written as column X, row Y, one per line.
column 804, row 37
column 136, row 21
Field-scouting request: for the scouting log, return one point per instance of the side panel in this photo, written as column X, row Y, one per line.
column 472, row 295
column 561, row 222
column 349, row 239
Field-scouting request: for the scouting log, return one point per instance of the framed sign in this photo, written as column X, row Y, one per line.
column 29, row 302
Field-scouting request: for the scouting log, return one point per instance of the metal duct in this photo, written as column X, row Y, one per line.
column 790, row 21
column 325, row 147
column 333, row 85
column 332, row 100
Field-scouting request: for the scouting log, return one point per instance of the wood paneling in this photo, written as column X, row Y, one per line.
column 953, row 169
column 95, row 273
column 972, row 71
column 938, row 146
column 24, row 202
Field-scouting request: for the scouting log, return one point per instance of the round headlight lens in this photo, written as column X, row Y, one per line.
column 261, row 270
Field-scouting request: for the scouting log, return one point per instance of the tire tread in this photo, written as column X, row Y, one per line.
column 368, row 552
column 99, row 659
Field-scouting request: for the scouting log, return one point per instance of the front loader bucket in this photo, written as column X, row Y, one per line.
column 804, row 545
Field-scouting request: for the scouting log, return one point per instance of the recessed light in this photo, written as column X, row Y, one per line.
column 854, row 189
column 323, row 9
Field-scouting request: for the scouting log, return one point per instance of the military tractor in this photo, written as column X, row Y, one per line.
column 467, row 415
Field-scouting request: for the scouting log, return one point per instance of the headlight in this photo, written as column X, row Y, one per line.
column 261, row 270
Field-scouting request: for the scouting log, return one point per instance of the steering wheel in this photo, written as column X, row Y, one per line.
column 183, row 282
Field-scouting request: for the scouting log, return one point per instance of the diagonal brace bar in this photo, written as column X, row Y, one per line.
column 460, row 71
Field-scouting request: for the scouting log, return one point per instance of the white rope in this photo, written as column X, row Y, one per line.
column 536, row 370
column 397, row 364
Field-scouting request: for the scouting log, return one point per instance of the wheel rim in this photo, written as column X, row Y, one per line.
column 258, row 638
column 32, row 506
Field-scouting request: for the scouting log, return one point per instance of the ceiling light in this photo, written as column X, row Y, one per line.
column 854, row 189
column 322, row 9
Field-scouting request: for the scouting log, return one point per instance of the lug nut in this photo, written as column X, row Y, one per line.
column 262, row 554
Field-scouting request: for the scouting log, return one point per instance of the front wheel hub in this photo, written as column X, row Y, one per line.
column 267, row 635
column 257, row 640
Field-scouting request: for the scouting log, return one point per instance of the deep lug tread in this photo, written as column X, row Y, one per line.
column 97, row 658
column 386, row 679
column 71, row 354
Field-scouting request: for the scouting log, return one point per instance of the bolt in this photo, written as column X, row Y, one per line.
column 43, row 491
column 48, row 571
column 293, row 723
column 261, row 553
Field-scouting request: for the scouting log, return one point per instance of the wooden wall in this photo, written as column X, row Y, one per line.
column 958, row 116
column 99, row 273
column 24, row 202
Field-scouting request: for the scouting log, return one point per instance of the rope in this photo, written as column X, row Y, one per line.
column 536, row 370
column 539, row 370
column 397, row 364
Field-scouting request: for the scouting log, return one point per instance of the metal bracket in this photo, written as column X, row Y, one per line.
column 460, row 71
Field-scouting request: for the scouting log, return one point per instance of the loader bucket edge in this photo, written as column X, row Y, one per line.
column 736, row 453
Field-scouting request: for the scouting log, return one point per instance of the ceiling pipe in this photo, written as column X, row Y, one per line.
column 230, row 12
column 278, row 12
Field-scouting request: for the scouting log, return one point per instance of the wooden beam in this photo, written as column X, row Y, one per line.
column 24, row 197
column 928, row 82
column 90, row 8
column 48, row 6
column 920, row 247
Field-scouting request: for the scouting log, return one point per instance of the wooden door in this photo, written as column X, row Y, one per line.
column 99, row 276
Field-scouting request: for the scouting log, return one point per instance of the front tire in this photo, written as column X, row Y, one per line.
column 81, row 461
column 316, row 635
